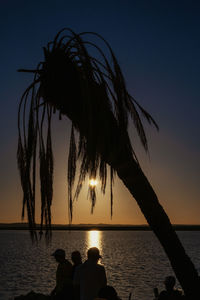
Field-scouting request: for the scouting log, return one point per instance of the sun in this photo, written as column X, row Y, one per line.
column 93, row 183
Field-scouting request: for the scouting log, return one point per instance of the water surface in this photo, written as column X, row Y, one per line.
column 134, row 260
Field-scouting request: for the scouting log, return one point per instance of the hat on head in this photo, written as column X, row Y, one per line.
column 59, row 252
column 93, row 253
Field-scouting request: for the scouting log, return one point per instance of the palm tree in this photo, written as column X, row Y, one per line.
column 91, row 92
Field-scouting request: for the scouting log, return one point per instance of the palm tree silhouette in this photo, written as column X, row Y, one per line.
column 91, row 92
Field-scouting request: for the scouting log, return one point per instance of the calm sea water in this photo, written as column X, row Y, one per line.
column 134, row 260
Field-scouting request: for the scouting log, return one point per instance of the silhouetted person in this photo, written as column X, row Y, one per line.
column 170, row 293
column 109, row 293
column 63, row 288
column 76, row 259
column 89, row 277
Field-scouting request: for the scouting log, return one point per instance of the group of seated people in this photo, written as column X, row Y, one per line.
column 87, row 281
column 81, row 281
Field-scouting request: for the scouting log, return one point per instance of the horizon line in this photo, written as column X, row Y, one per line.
column 100, row 226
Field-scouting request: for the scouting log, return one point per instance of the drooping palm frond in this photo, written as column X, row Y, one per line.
column 77, row 79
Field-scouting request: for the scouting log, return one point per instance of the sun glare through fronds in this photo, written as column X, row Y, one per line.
column 93, row 182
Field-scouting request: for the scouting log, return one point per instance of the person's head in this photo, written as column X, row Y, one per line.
column 76, row 257
column 108, row 292
column 59, row 255
column 169, row 282
column 93, row 254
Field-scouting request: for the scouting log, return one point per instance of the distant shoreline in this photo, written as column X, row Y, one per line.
column 103, row 227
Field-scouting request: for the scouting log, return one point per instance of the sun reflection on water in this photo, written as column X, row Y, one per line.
column 94, row 239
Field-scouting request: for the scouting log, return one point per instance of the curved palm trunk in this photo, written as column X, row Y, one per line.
column 140, row 188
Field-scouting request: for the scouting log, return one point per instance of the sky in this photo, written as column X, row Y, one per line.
column 157, row 45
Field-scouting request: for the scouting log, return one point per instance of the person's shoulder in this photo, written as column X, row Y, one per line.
column 100, row 267
column 177, row 294
column 68, row 264
column 163, row 295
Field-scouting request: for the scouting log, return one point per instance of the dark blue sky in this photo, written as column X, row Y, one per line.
column 158, row 46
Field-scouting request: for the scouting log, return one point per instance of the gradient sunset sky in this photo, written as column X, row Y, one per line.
column 157, row 44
